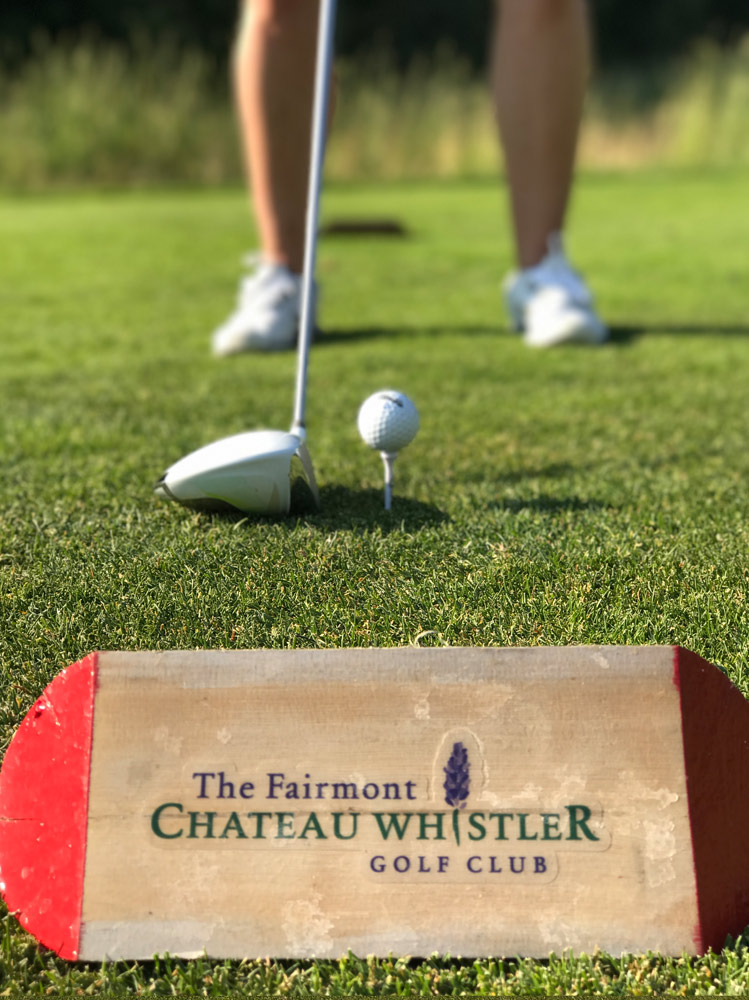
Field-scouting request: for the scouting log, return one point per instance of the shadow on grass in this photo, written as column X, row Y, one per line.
column 621, row 333
column 344, row 508
column 546, row 504
column 350, row 336
column 627, row 332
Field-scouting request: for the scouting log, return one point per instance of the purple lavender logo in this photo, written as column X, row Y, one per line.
column 457, row 777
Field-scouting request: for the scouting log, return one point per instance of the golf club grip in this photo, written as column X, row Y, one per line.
column 323, row 68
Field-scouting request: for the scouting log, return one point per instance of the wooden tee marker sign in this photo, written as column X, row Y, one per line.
column 303, row 803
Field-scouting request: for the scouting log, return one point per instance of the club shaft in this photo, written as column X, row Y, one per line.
column 323, row 70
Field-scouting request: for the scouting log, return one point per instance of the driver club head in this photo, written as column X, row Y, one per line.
column 257, row 472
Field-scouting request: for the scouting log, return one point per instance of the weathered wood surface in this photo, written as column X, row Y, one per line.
column 472, row 801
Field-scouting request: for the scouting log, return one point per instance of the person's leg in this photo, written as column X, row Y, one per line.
column 274, row 67
column 274, row 71
column 541, row 64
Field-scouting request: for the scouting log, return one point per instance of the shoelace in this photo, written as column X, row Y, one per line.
column 261, row 271
column 555, row 269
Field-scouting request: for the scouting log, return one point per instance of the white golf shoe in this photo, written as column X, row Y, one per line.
column 267, row 313
column 551, row 303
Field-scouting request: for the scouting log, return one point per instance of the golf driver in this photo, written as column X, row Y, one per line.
column 270, row 472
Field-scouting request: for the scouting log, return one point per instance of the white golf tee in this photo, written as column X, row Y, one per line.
column 388, row 459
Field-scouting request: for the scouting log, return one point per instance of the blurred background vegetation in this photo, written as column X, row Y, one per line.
column 93, row 93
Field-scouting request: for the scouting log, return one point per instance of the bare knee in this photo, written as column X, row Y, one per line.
column 538, row 15
column 276, row 13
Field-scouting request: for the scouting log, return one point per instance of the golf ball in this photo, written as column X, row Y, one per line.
column 388, row 420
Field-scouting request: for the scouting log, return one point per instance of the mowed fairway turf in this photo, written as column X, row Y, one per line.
column 574, row 496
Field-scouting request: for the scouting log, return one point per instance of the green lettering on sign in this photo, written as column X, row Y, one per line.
column 156, row 821
column 579, row 816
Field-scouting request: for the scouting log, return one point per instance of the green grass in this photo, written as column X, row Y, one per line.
column 83, row 113
column 577, row 496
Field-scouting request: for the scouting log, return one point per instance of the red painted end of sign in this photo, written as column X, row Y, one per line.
column 44, row 786
column 715, row 727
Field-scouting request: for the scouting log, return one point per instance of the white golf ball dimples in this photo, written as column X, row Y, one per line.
column 388, row 420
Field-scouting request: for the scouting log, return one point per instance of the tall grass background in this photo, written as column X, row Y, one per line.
column 84, row 113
